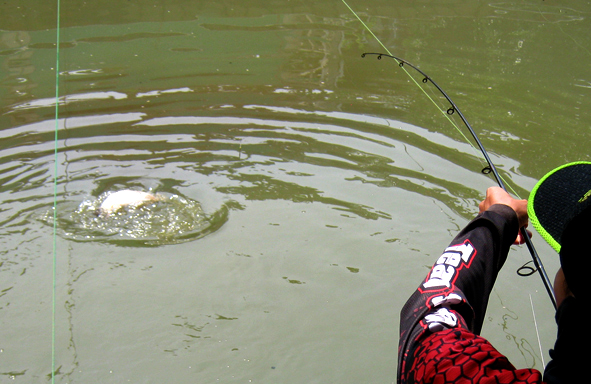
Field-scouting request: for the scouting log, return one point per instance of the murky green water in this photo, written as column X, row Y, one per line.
column 311, row 189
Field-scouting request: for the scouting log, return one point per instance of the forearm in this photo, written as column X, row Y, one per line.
column 470, row 264
column 492, row 235
column 461, row 279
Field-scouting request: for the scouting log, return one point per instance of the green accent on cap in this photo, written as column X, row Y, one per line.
column 560, row 209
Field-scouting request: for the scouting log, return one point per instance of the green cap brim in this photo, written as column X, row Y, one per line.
column 557, row 197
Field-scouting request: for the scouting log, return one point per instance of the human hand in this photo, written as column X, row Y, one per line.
column 497, row 195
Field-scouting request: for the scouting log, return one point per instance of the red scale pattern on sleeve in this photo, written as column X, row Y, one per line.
column 461, row 357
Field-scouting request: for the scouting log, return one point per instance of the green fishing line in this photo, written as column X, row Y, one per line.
column 443, row 111
column 55, row 171
column 491, row 168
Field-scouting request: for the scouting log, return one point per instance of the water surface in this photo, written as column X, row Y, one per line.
column 313, row 188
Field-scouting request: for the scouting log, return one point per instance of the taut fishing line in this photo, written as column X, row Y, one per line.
column 490, row 168
column 55, row 170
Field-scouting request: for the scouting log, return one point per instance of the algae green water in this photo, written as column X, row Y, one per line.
column 309, row 190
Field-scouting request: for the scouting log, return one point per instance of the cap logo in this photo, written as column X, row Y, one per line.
column 585, row 196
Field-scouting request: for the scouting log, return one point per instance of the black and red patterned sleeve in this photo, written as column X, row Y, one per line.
column 455, row 293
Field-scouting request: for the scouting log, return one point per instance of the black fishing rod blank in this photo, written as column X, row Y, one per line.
column 488, row 169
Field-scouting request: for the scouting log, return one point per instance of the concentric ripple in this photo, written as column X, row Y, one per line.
column 170, row 220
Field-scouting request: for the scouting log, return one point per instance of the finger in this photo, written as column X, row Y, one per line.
column 520, row 239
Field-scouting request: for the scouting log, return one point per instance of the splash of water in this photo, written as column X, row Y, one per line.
column 170, row 219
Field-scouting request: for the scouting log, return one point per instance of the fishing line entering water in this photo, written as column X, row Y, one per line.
column 55, row 170
column 537, row 332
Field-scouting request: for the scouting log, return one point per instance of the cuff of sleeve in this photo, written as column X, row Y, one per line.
column 506, row 219
column 506, row 211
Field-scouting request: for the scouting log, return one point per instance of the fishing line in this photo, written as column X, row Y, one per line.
column 453, row 109
column 55, row 170
column 537, row 332
column 490, row 168
column 407, row 73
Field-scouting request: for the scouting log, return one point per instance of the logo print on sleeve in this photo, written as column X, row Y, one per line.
column 445, row 270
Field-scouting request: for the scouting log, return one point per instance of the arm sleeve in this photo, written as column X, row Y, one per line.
column 455, row 292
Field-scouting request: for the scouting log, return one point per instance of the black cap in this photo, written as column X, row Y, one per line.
column 559, row 208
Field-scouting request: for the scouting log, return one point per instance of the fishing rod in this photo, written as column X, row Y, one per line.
column 490, row 168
